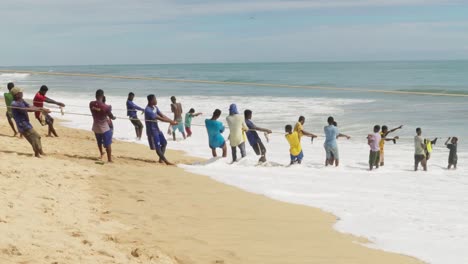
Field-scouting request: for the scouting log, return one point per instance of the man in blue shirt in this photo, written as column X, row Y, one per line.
column 132, row 109
column 331, row 147
column 156, row 138
column 254, row 139
column 20, row 109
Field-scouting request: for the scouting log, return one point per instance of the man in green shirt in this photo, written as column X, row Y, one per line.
column 8, row 100
column 188, row 121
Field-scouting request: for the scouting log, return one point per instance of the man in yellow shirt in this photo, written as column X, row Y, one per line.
column 299, row 128
column 384, row 133
column 295, row 149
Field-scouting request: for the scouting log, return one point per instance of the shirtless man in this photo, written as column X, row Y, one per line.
column 176, row 108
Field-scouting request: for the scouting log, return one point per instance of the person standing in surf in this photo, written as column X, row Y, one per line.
column 132, row 109
column 384, row 133
column 253, row 138
column 237, row 127
column 295, row 148
column 215, row 128
column 299, row 128
column 176, row 108
column 419, row 151
column 156, row 138
column 373, row 141
column 330, row 145
column 453, row 157
column 188, row 121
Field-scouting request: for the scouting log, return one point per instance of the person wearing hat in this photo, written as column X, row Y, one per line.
column 237, row 127
column 20, row 110
column 42, row 117
column 8, row 100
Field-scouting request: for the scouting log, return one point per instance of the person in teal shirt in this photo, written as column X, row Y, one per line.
column 8, row 100
column 214, row 129
column 188, row 121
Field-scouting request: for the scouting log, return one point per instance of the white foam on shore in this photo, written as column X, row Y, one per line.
column 422, row 214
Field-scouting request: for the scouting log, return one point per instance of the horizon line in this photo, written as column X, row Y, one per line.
column 251, row 62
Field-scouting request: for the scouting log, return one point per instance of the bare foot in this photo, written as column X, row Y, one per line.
column 169, row 163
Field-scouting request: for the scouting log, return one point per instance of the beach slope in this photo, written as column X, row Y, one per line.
column 66, row 208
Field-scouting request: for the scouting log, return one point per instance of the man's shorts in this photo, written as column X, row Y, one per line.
column 188, row 130
column 219, row 144
column 332, row 152
column 374, row 157
column 297, row 158
column 45, row 119
column 157, row 141
column 136, row 123
column 104, row 139
column 419, row 158
column 179, row 126
column 259, row 148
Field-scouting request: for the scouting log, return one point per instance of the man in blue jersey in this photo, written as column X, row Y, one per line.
column 156, row 138
column 254, row 139
column 132, row 109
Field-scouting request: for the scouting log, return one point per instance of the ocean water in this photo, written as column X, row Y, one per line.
column 422, row 214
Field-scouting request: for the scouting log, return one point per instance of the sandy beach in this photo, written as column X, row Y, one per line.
column 66, row 208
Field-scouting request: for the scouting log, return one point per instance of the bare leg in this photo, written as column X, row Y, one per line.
column 12, row 126
column 173, row 136
column 109, row 153
column 183, row 134
column 213, row 152
column 224, row 151
column 100, row 151
column 337, row 162
column 139, row 132
column 424, row 164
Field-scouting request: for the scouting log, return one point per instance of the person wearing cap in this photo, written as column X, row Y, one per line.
column 20, row 110
column 8, row 100
column 237, row 128
column 101, row 112
column 42, row 117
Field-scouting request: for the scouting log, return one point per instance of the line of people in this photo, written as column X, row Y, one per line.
column 241, row 128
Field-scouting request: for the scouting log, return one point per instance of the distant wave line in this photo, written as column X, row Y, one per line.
column 397, row 92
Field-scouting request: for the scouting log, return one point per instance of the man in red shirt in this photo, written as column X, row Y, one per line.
column 43, row 117
column 101, row 113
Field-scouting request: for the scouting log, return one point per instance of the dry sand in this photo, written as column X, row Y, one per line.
column 65, row 208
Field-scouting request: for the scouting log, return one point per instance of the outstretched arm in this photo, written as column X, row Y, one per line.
column 448, row 139
column 343, row 135
column 161, row 117
column 308, row 134
column 393, row 130
column 50, row 101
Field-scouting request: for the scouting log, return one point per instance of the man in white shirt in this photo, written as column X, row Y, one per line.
column 419, row 151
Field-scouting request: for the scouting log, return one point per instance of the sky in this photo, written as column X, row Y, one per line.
column 85, row 32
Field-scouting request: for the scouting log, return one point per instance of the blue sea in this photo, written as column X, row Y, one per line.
column 438, row 115
column 422, row 214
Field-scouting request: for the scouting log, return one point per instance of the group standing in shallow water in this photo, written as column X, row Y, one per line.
column 241, row 128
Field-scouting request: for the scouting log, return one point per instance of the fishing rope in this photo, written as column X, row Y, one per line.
column 162, row 79
column 196, row 125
